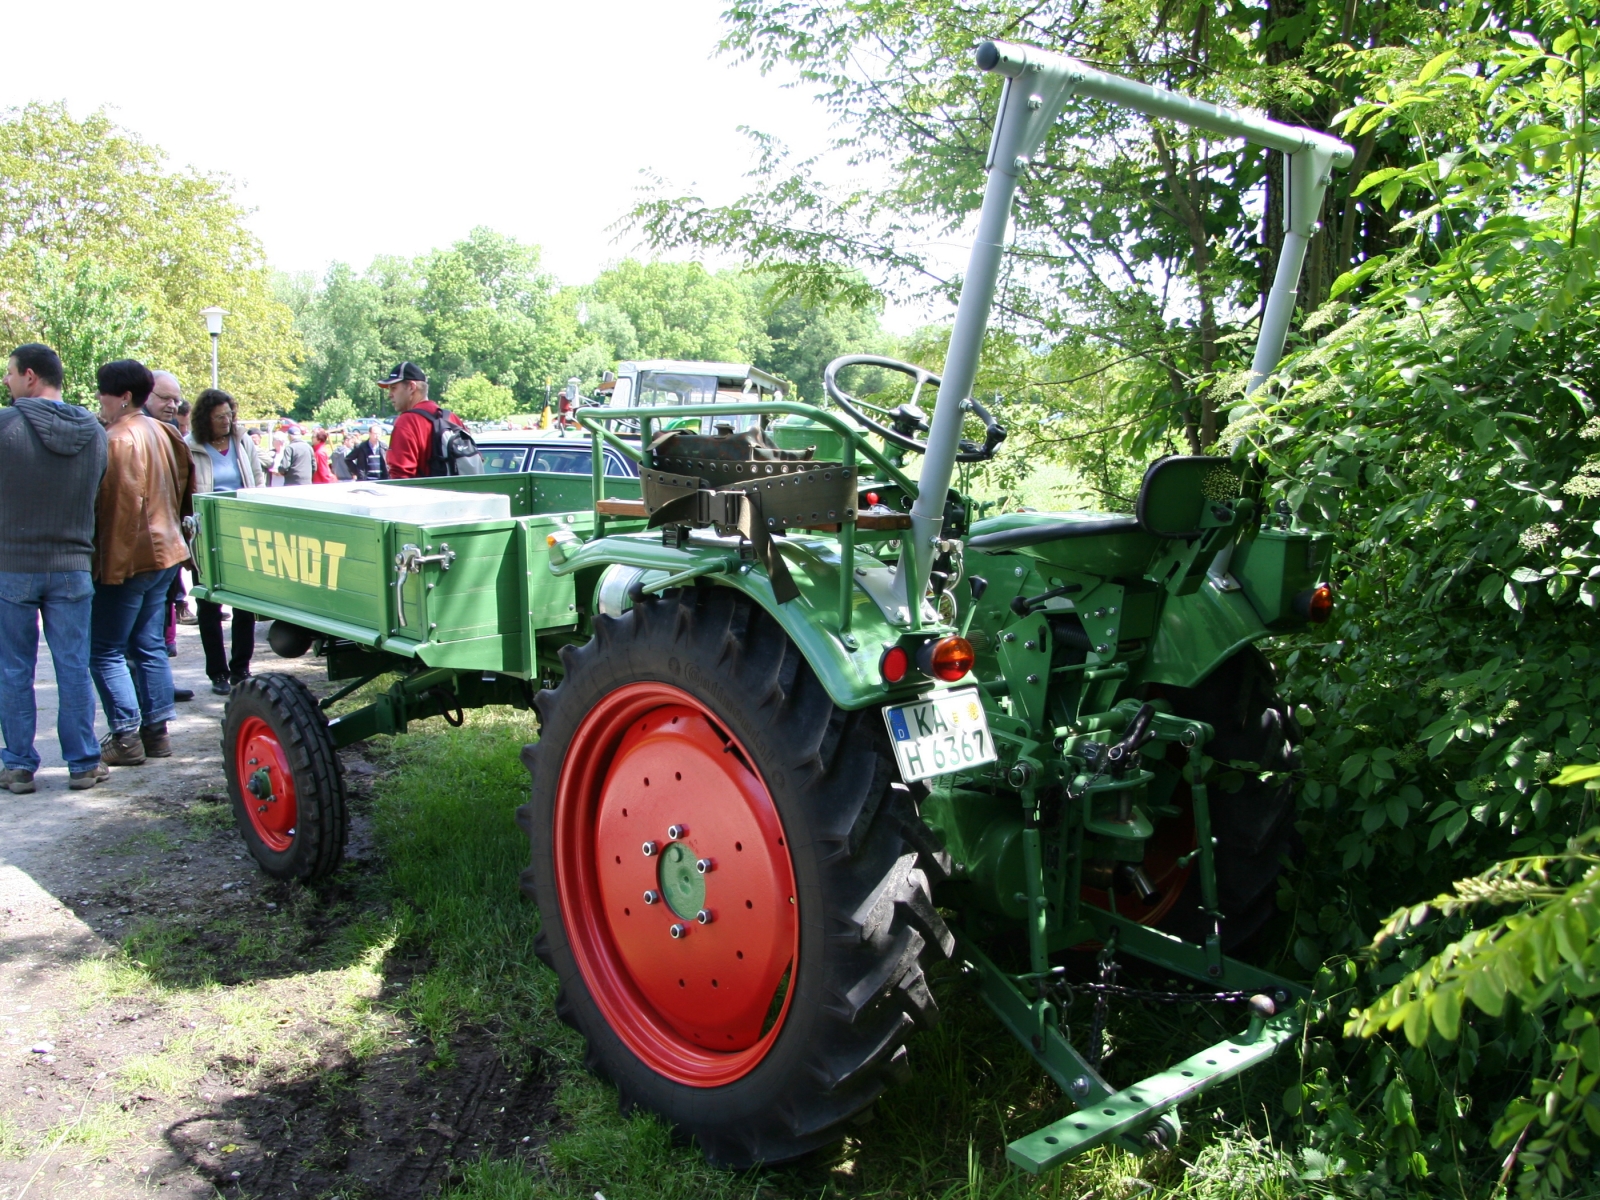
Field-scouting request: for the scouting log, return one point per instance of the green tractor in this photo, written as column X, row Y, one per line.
column 806, row 726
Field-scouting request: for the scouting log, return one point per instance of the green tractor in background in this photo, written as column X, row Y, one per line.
column 806, row 726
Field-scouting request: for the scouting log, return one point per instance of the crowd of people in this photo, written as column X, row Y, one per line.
column 93, row 545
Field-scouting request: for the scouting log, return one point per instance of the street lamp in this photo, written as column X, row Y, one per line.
column 213, row 316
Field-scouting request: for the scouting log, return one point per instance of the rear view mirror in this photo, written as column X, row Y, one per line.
column 1175, row 490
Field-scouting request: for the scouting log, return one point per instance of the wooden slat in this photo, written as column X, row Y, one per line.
column 616, row 507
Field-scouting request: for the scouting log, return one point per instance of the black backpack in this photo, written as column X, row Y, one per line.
column 452, row 450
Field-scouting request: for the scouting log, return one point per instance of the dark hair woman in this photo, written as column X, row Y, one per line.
column 225, row 460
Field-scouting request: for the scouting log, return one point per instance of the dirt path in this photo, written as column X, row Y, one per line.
column 173, row 1022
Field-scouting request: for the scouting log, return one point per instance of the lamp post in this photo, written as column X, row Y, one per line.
column 213, row 316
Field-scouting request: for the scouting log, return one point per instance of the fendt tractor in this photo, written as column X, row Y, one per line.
column 806, row 725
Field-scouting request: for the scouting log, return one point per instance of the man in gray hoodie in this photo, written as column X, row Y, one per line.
column 52, row 456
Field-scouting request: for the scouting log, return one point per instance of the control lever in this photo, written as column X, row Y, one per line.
column 409, row 562
column 1120, row 753
column 1023, row 605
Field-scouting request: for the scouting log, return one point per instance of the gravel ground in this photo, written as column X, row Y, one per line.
column 173, row 1022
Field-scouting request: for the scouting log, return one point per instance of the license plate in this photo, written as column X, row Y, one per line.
column 938, row 734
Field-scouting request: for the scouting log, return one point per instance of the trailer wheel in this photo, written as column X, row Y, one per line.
column 284, row 778
column 733, row 884
column 1254, row 822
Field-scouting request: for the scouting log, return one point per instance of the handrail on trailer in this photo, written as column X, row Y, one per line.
column 595, row 418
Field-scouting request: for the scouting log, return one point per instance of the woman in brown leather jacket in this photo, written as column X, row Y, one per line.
column 144, row 496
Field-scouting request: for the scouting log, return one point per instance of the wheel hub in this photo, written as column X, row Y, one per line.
column 267, row 784
column 683, row 888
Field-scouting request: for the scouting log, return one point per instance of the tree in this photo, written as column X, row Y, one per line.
column 680, row 310
column 89, row 191
column 85, row 315
column 335, row 410
column 477, row 398
column 1148, row 244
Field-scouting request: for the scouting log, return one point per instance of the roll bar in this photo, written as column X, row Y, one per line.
column 1037, row 85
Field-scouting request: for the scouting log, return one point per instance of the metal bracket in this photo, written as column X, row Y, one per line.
column 879, row 583
column 409, row 562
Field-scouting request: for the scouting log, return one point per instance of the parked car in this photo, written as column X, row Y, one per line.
column 510, row 451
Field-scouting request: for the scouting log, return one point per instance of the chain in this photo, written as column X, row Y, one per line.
column 1102, row 1005
column 1103, row 990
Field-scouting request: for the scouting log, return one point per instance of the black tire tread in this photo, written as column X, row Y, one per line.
column 879, row 922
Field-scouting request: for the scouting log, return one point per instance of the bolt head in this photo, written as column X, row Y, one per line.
column 1033, row 679
column 651, row 896
column 1080, row 1086
column 703, row 865
column 649, row 849
column 703, row 916
column 674, row 832
column 678, row 930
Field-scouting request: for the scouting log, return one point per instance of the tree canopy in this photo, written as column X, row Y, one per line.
column 92, row 222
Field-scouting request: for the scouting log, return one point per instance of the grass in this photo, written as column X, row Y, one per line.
column 445, row 820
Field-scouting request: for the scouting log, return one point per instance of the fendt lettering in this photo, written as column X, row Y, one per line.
column 291, row 556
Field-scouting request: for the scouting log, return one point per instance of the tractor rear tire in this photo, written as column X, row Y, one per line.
column 284, row 778
column 1252, row 814
column 761, row 1029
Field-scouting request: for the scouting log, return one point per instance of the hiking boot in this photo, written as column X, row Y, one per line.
column 17, row 781
column 80, row 781
column 221, row 687
column 186, row 616
column 181, row 694
column 122, row 749
column 156, row 742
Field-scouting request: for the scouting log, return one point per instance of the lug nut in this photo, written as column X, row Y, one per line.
column 674, row 832
column 650, row 897
column 703, row 865
column 678, row 930
column 649, row 849
column 703, row 916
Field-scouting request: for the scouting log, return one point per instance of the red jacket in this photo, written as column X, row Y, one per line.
column 411, row 441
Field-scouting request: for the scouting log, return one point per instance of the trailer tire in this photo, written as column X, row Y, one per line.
column 764, row 1058
column 284, row 778
column 1253, row 820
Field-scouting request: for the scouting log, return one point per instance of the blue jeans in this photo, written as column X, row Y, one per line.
column 128, row 650
column 63, row 599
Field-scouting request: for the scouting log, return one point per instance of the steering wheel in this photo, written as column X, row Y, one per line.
column 907, row 420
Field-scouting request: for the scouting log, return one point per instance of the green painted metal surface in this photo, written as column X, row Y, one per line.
column 1132, row 1110
column 845, row 662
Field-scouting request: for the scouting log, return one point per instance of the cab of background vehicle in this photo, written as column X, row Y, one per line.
column 661, row 382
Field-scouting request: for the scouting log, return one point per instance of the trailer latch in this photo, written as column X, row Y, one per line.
column 409, row 562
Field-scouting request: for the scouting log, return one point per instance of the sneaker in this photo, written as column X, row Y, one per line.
column 155, row 740
column 186, row 616
column 181, row 694
column 80, row 781
column 122, row 749
column 17, row 781
column 221, row 687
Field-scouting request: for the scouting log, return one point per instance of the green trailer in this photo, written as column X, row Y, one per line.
column 807, row 724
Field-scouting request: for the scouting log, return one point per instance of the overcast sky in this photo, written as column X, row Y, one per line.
column 354, row 129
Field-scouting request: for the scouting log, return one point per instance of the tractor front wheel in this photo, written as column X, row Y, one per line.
column 729, row 878
column 284, row 778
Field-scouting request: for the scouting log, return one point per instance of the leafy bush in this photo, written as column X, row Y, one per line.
column 1441, row 423
column 335, row 410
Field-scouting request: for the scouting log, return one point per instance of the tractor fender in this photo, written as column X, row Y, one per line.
column 1196, row 633
column 846, row 664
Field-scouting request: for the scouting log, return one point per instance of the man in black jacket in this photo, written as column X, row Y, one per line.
column 368, row 460
column 52, row 456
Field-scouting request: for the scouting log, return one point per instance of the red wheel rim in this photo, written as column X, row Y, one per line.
column 266, row 784
column 704, row 1007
